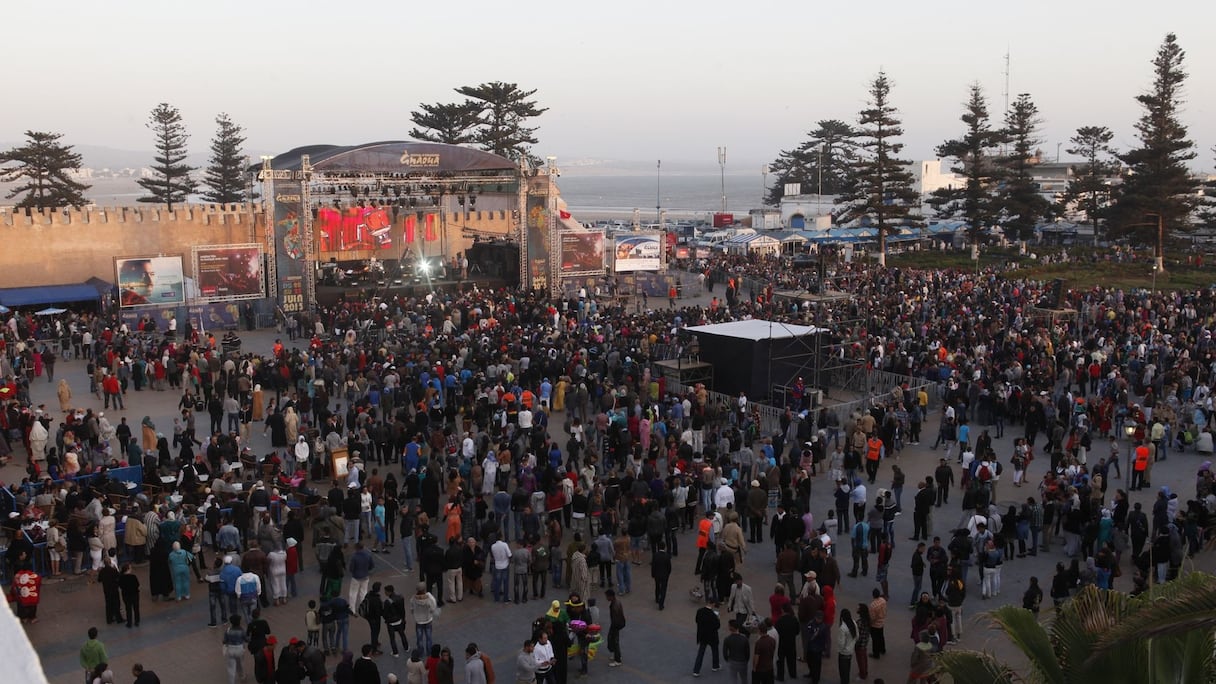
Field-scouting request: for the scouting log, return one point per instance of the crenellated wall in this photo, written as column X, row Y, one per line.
column 70, row 246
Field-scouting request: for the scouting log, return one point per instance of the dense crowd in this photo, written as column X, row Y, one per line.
column 500, row 433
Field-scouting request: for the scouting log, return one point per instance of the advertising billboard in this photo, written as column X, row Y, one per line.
column 144, row 281
column 227, row 272
column 639, row 252
column 582, row 252
column 353, row 229
column 538, row 242
column 289, row 248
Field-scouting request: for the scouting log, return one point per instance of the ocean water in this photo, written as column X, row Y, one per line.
column 589, row 197
column 682, row 196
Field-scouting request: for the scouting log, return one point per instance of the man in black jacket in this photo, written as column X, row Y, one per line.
column 393, row 613
column 708, row 624
column 945, row 478
column 922, row 504
column 366, row 671
column 373, row 611
column 788, row 630
column 660, row 571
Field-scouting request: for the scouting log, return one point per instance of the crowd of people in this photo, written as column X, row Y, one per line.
column 502, row 433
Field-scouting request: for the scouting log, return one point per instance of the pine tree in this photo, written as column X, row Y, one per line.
column 1088, row 190
column 225, row 174
column 881, row 186
column 503, row 115
column 171, row 183
column 454, row 124
column 829, row 145
column 41, row 167
column 973, row 156
column 1020, row 206
column 1158, row 190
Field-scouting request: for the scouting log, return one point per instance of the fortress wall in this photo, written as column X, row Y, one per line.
column 54, row 247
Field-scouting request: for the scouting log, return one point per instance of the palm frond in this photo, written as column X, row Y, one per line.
column 1023, row 629
column 1174, row 608
column 974, row 667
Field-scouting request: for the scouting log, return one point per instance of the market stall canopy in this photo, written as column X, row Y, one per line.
column 48, row 294
column 50, row 311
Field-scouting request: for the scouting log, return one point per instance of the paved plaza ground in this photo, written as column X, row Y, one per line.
column 174, row 639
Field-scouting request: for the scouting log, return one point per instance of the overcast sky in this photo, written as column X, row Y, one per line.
column 626, row 80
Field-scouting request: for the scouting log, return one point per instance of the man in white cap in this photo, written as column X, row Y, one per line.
column 229, row 575
column 723, row 494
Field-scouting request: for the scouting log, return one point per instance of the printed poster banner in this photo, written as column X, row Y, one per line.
column 582, row 252
column 144, row 281
column 538, row 242
column 228, row 272
column 353, row 229
column 290, row 251
column 639, row 252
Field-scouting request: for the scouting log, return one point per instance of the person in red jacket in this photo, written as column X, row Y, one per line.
column 264, row 661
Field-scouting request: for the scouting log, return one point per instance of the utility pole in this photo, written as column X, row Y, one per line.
column 722, row 167
column 658, row 191
column 819, row 190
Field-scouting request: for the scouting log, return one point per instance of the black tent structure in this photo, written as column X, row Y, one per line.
column 754, row 356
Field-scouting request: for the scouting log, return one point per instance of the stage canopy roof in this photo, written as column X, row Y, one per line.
column 756, row 329
column 395, row 156
column 13, row 297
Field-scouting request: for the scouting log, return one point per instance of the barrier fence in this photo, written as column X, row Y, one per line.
column 872, row 383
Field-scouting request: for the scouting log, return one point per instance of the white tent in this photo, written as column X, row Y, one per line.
column 753, row 243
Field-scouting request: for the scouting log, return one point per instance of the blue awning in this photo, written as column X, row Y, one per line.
column 14, row 297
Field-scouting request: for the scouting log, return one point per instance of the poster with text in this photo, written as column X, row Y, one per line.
column 144, row 281
column 639, row 252
column 582, row 252
column 353, row 229
column 538, row 242
column 289, row 248
column 229, row 272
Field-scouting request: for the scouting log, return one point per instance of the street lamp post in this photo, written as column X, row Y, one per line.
column 722, row 167
column 658, row 194
column 819, row 190
column 1159, row 251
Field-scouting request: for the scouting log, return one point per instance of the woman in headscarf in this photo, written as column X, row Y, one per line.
column 257, row 402
column 106, row 530
column 106, row 431
column 301, row 452
column 278, row 429
column 164, row 457
column 291, row 424
column 147, row 434
column 331, row 574
column 344, row 673
column 415, row 669
column 152, row 525
column 180, row 561
column 65, row 395
column 160, row 577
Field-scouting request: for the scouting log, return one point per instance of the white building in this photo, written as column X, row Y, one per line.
column 932, row 175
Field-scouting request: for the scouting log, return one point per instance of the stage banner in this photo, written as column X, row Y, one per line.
column 639, row 252
column 538, row 241
column 353, row 229
column 582, row 252
column 229, row 272
column 150, row 280
column 290, row 252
